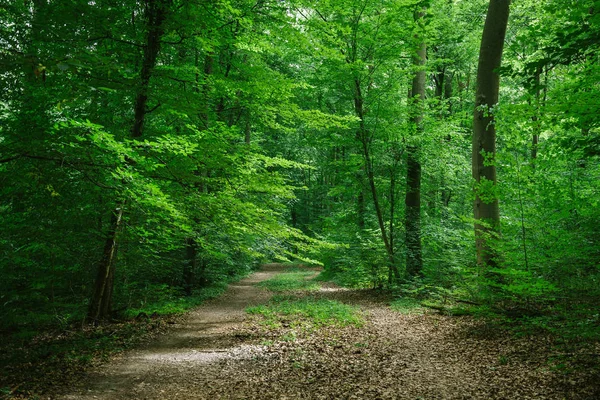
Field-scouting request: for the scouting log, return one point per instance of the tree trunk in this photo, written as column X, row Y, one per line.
column 537, row 127
column 412, row 221
column 190, row 265
column 363, row 137
column 486, row 212
column 156, row 11
column 192, row 249
column 100, row 303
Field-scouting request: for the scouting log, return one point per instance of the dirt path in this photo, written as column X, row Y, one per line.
column 219, row 353
column 178, row 360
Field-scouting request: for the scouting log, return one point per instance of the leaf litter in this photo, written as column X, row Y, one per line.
column 220, row 352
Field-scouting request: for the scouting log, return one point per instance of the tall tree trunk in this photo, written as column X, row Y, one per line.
column 156, row 12
column 364, row 138
column 192, row 248
column 190, row 265
column 412, row 221
column 486, row 212
column 535, row 139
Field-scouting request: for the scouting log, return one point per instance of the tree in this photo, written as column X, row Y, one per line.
column 486, row 210
column 156, row 12
column 412, row 221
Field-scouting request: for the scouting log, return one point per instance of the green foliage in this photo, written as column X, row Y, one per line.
column 292, row 279
column 307, row 312
column 201, row 171
column 355, row 273
column 408, row 306
column 254, row 149
column 176, row 302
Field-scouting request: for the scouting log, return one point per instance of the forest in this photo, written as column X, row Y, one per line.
column 443, row 151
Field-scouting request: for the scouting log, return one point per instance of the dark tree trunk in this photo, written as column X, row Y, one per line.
column 486, row 211
column 364, row 138
column 448, row 85
column 392, row 195
column 412, row 221
column 537, row 126
column 100, row 304
column 440, row 82
column 156, row 11
column 190, row 265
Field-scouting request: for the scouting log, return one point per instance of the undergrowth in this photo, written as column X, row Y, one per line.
column 34, row 357
column 178, row 304
column 292, row 279
column 307, row 312
column 407, row 305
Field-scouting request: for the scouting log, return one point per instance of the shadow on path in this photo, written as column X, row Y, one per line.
column 207, row 335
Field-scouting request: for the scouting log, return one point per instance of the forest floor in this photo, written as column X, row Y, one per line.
column 219, row 351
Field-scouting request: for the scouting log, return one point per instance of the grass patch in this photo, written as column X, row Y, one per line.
column 178, row 304
column 407, row 306
column 307, row 312
column 292, row 279
column 355, row 279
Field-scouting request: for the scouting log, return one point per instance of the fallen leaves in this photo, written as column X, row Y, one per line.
column 218, row 352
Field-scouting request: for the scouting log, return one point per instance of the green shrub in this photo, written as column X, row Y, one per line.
column 407, row 305
column 308, row 312
column 292, row 279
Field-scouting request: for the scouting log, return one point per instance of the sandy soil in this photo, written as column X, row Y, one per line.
column 219, row 352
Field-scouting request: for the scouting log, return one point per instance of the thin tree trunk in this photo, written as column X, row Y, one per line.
column 537, row 127
column 100, row 304
column 192, row 248
column 394, row 274
column 360, row 209
column 448, row 87
column 156, row 11
column 190, row 265
column 486, row 211
column 412, row 221
column 363, row 137
column 438, row 79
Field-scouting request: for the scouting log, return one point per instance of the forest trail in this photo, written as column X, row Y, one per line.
column 219, row 352
column 176, row 362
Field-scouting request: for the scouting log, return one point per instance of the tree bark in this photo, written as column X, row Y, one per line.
column 100, row 304
column 486, row 210
column 190, row 265
column 412, row 221
column 363, row 136
column 537, row 125
column 156, row 12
